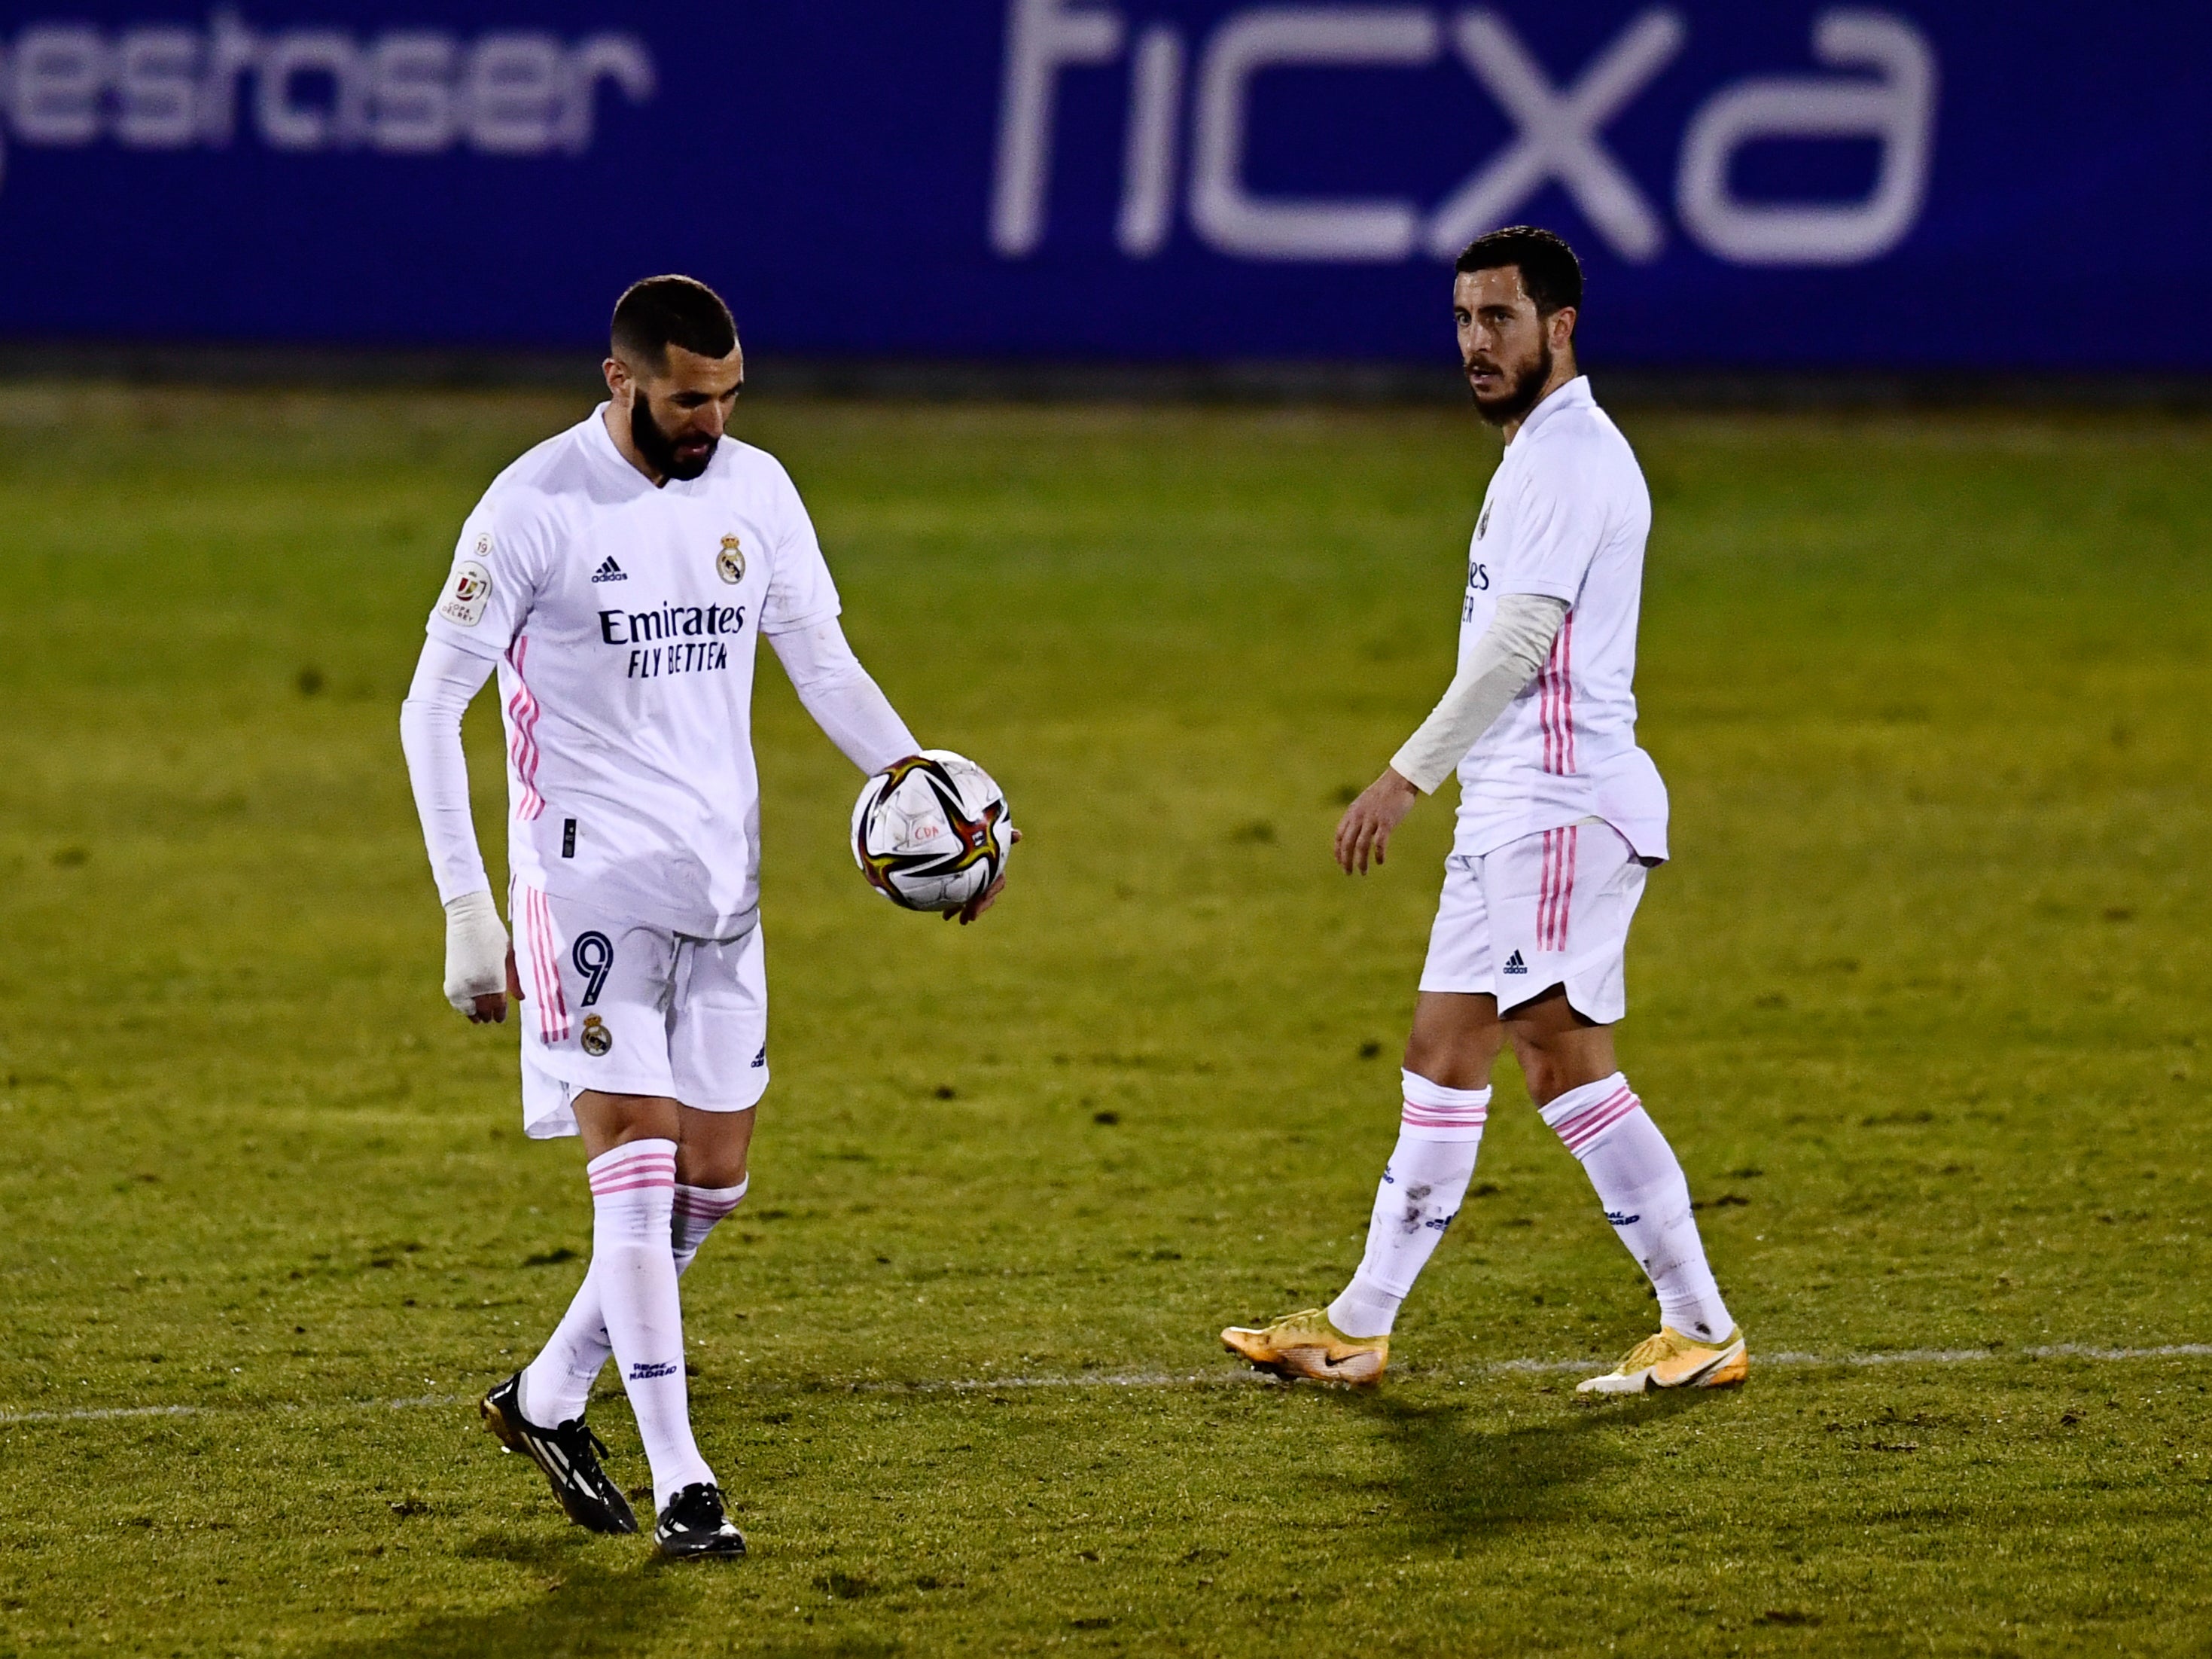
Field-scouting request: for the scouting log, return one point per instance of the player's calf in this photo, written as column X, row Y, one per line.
column 633, row 1204
column 1646, row 1198
column 558, row 1382
column 1439, row 1133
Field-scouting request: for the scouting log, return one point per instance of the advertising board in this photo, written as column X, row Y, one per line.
column 1921, row 185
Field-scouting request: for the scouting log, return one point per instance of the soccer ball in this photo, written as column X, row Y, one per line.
column 931, row 832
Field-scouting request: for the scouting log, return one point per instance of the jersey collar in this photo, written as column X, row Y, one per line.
column 1575, row 394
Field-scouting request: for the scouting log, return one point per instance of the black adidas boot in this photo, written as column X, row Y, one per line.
column 694, row 1524
column 569, row 1455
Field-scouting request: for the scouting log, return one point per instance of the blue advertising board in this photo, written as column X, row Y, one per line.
column 1917, row 183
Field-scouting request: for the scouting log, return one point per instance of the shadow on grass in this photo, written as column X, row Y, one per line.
column 588, row 1596
column 1468, row 1474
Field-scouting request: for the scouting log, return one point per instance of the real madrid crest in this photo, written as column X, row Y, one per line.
column 730, row 562
column 595, row 1036
column 1482, row 524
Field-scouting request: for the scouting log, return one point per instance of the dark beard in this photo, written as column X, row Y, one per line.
column 1523, row 396
column 658, row 448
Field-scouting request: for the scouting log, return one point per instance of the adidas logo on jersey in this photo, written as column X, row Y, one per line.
column 1515, row 965
column 611, row 572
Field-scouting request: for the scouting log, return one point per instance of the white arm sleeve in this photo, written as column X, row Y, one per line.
column 1503, row 661
column 848, row 706
column 446, row 678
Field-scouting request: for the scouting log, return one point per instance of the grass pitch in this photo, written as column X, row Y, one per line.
column 1921, row 1003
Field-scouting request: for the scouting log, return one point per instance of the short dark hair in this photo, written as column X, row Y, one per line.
column 665, row 311
column 1549, row 269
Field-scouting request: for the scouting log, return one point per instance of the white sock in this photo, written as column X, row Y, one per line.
column 556, row 1386
column 633, row 1202
column 1439, row 1133
column 1646, row 1198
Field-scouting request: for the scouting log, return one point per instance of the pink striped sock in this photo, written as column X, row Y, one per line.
column 1439, row 1132
column 557, row 1384
column 632, row 1260
column 1646, row 1198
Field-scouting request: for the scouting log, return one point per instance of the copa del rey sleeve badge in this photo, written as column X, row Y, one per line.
column 468, row 590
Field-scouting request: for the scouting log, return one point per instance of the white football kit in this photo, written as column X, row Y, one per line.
column 1560, row 816
column 1560, row 813
column 622, row 618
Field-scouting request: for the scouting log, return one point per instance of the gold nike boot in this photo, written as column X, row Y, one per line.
column 1307, row 1345
column 1672, row 1360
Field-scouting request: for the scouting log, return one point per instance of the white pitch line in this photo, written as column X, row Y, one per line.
column 1100, row 1380
column 1179, row 1379
column 1967, row 1356
column 94, row 1416
column 418, row 1403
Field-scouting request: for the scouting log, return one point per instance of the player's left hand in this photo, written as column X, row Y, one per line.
column 1363, row 832
column 984, row 901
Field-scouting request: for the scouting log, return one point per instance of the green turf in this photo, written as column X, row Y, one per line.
column 1920, row 1002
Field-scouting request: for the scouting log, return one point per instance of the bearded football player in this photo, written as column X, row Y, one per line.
column 616, row 578
column 1561, row 816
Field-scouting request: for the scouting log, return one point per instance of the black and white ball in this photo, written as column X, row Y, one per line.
column 931, row 832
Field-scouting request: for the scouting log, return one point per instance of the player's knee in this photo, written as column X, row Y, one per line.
column 695, row 1169
column 715, row 1147
column 1544, row 1074
column 1554, row 1061
column 609, row 1121
column 1455, row 1039
column 1453, row 1063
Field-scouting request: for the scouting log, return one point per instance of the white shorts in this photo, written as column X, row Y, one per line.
column 1547, row 909
column 629, row 1008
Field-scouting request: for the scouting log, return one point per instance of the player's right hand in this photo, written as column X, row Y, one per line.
column 491, row 1008
column 1363, row 832
column 479, row 964
column 967, row 913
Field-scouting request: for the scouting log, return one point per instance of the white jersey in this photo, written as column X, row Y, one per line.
column 623, row 619
column 1566, row 515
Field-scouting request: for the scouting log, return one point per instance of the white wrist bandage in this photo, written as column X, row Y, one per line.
column 476, row 951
